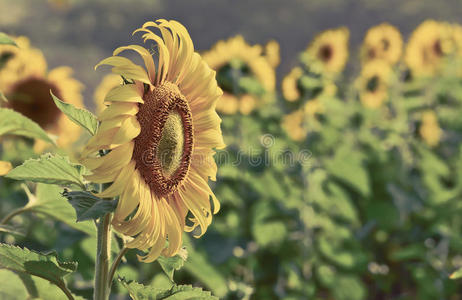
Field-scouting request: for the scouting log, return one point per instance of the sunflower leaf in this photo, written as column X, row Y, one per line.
column 138, row 291
column 12, row 122
column 80, row 116
column 87, row 206
column 51, row 169
column 170, row 264
column 6, row 40
column 48, row 201
column 199, row 267
column 46, row 266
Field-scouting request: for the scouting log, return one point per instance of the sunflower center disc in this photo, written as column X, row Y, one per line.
column 171, row 144
column 325, row 53
column 31, row 97
column 163, row 148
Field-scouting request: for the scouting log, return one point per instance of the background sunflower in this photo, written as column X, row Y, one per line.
column 26, row 82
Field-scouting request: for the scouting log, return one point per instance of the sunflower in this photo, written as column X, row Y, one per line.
column 373, row 83
column 25, row 81
column 293, row 124
column 235, row 60
column 430, row 131
column 290, row 88
column 430, row 42
column 160, row 128
column 108, row 82
column 329, row 51
column 19, row 62
column 383, row 41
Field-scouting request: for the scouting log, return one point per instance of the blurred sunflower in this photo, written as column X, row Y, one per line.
column 19, row 62
column 329, row 51
column 293, row 124
column 290, row 88
column 430, row 42
column 161, row 129
column 108, row 82
column 244, row 73
column 429, row 130
column 272, row 54
column 373, row 83
column 384, row 42
column 25, row 81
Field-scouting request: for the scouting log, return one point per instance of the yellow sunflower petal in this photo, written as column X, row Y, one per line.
column 114, row 160
column 118, row 186
column 125, row 67
column 116, row 109
column 173, row 230
column 124, row 93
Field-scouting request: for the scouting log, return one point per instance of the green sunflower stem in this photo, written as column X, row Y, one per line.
column 102, row 286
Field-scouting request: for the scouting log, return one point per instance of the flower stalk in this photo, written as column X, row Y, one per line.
column 102, row 286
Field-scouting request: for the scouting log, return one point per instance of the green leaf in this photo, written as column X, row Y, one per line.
column 347, row 166
column 6, row 40
column 40, row 288
column 176, row 292
column 81, row 117
column 200, row 268
column 49, row 201
column 10, row 229
column 12, row 122
column 170, row 264
column 456, row 275
column 46, row 266
column 52, row 169
column 14, row 289
column 87, row 206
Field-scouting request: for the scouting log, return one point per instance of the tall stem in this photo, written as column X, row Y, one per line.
column 103, row 252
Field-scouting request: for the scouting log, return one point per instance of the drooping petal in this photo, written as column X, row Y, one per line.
column 118, row 186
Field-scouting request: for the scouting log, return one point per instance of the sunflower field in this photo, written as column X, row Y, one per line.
column 225, row 171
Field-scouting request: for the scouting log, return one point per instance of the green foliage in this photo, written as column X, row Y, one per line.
column 49, row 201
column 44, row 266
column 14, row 123
column 177, row 292
column 51, row 169
column 79, row 116
column 200, row 268
column 87, row 206
column 170, row 264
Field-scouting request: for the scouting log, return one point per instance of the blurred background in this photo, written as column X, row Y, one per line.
column 80, row 33
column 342, row 178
